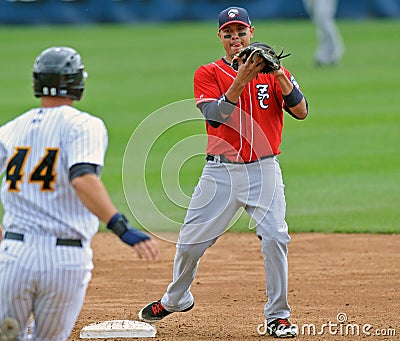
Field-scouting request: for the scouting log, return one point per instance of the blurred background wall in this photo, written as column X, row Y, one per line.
column 132, row 11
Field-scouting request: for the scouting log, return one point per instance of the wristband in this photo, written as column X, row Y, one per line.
column 294, row 98
column 121, row 227
column 118, row 224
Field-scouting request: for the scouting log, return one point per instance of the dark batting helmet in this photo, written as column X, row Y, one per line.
column 59, row 72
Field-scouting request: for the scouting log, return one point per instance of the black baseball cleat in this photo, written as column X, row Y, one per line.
column 155, row 312
column 282, row 328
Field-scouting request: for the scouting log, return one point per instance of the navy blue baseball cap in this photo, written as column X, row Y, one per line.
column 233, row 15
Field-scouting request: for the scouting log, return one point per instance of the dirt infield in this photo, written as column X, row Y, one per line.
column 351, row 277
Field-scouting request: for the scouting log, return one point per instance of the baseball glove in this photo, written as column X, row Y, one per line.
column 266, row 52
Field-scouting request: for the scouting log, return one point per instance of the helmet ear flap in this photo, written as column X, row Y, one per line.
column 59, row 72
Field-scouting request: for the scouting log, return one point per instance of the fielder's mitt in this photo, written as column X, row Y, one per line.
column 272, row 60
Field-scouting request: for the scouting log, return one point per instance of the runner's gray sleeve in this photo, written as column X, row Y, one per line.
column 212, row 110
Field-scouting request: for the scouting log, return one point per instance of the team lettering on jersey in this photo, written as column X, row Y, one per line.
column 262, row 95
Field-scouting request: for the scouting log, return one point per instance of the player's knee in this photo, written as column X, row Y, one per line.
column 274, row 238
column 193, row 250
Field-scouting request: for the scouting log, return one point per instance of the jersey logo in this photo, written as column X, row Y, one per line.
column 262, row 95
column 43, row 173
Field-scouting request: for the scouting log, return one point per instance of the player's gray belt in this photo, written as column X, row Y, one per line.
column 60, row 241
column 223, row 159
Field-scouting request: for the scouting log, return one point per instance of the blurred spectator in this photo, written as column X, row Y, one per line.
column 330, row 46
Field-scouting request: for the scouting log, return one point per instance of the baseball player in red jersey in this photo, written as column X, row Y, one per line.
column 244, row 118
column 53, row 199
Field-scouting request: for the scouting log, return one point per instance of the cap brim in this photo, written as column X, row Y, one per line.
column 234, row 22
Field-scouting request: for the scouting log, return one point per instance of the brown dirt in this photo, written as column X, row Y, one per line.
column 355, row 274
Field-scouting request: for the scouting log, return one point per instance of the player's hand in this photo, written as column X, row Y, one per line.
column 248, row 70
column 148, row 250
column 279, row 72
column 144, row 246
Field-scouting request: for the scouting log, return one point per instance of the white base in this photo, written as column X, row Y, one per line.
column 118, row 329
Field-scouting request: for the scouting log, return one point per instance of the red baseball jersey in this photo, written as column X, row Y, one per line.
column 254, row 129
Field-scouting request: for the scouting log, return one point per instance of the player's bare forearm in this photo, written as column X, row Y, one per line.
column 299, row 110
column 284, row 82
column 94, row 196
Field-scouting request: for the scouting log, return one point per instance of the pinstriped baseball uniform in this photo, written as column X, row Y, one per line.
column 37, row 150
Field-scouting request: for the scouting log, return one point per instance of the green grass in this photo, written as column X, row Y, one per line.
column 341, row 165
